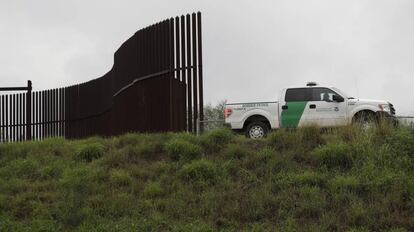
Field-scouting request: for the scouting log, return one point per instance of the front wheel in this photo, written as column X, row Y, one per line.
column 256, row 130
column 365, row 120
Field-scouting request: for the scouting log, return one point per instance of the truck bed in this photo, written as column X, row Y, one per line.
column 242, row 111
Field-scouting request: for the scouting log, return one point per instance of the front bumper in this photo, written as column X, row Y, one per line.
column 387, row 117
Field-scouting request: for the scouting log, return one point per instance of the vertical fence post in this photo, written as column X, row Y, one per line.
column 171, row 74
column 183, row 71
column 189, row 81
column 195, row 87
column 29, row 110
column 200, row 72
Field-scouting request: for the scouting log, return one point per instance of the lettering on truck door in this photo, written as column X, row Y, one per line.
column 323, row 110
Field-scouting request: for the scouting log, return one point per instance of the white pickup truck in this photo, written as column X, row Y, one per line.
column 306, row 105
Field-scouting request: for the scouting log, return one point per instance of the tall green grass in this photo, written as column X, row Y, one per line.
column 343, row 179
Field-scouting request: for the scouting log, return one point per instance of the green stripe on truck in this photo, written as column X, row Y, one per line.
column 292, row 115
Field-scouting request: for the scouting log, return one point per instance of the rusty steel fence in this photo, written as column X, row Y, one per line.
column 155, row 85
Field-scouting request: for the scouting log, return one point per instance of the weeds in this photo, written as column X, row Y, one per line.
column 308, row 179
column 183, row 150
column 88, row 152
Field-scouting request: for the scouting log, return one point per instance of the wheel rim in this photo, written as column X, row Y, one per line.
column 365, row 125
column 256, row 132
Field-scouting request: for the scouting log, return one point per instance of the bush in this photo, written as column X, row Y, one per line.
column 402, row 142
column 215, row 140
column 199, row 170
column 344, row 184
column 148, row 146
column 79, row 180
column 88, row 152
column 247, row 177
column 24, row 168
column 335, row 156
column 121, row 178
column 236, row 151
column 311, row 203
column 286, row 180
column 182, row 150
column 153, row 190
column 264, row 155
column 311, row 136
column 283, row 139
column 52, row 171
column 127, row 140
column 310, row 178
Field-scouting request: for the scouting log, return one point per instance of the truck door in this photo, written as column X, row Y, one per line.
column 326, row 108
column 293, row 106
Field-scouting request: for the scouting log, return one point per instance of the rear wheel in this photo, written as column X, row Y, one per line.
column 256, row 130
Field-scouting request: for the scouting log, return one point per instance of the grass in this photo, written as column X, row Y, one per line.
column 308, row 179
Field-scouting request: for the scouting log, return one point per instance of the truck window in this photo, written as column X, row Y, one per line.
column 322, row 94
column 299, row 94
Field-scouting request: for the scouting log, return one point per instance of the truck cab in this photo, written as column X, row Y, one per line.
column 305, row 105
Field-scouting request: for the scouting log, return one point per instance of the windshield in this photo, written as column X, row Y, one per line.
column 345, row 95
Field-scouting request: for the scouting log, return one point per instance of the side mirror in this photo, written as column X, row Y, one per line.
column 338, row 98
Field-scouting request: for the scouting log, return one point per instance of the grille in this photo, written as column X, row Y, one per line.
column 392, row 109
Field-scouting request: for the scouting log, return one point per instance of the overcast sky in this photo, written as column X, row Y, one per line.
column 252, row 49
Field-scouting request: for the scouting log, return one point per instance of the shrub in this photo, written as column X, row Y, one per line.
column 189, row 137
column 150, row 145
column 53, row 146
column 335, row 155
column 153, row 190
column 78, row 180
column 344, row 184
column 247, row 177
column 127, row 140
column 53, row 170
column 349, row 133
column 231, row 167
column 121, row 178
column 357, row 212
column 311, row 136
column 236, row 151
column 307, row 178
column 182, row 150
column 310, row 178
column 88, row 152
column 199, row 170
column 264, row 155
column 70, row 213
column 195, row 226
column 261, row 162
column 116, row 159
column 402, row 142
column 283, row 139
column 215, row 140
column 25, row 168
column 312, row 202
column 119, row 205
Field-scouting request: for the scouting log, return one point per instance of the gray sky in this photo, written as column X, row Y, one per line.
column 252, row 49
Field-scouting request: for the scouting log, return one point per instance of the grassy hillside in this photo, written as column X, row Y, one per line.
column 303, row 180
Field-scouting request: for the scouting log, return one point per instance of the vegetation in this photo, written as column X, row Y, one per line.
column 214, row 115
column 341, row 179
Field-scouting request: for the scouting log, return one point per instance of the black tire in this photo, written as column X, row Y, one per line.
column 256, row 130
column 365, row 119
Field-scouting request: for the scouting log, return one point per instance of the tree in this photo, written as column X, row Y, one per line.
column 214, row 115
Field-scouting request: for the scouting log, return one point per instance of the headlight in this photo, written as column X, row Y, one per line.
column 384, row 107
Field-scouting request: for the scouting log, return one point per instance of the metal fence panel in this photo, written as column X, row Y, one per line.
column 155, row 85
